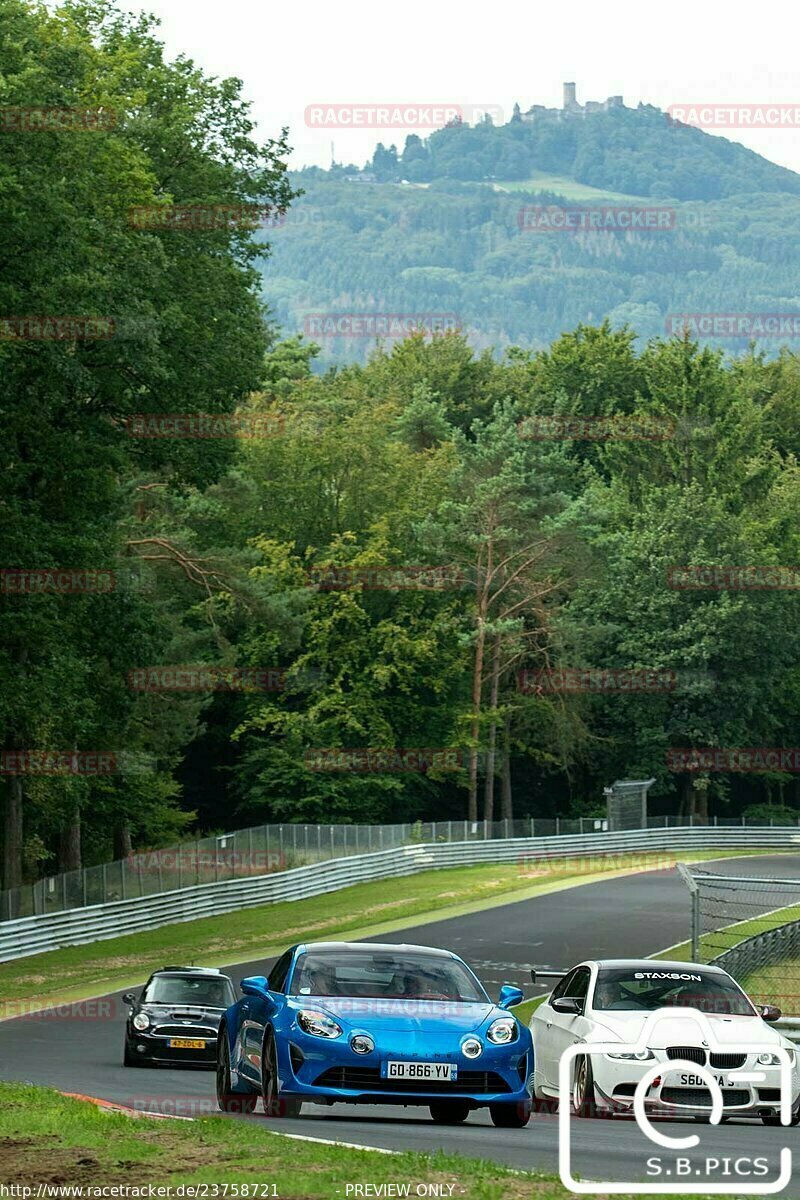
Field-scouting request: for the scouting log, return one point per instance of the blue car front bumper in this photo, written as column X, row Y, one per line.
column 315, row 1069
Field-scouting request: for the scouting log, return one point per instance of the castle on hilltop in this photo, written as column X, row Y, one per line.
column 571, row 107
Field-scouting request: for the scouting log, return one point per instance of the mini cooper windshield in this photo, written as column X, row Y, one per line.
column 630, row 990
column 386, row 977
column 184, row 989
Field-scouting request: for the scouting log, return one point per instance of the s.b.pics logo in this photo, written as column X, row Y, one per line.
column 681, row 1066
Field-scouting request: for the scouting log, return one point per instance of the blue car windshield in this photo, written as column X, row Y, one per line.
column 384, row 976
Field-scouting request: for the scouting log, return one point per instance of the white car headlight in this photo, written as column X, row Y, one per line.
column 772, row 1060
column 502, row 1031
column 318, row 1024
column 639, row 1056
column 141, row 1021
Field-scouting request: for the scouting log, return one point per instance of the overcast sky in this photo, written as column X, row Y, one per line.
column 310, row 52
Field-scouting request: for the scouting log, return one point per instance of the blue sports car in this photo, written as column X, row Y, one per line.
column 359, row 1023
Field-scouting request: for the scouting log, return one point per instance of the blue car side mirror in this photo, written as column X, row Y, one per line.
column 509, row 996
column 255, row 985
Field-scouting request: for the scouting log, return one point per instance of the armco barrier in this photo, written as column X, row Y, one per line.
column 766, row 949
column 72, row 927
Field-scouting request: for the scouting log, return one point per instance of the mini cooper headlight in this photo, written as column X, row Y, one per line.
column 311, row 1021
column 502, row 1031
column 141, row 1021
column 639, row 1056
column 361, row 1043
column 772, row 1060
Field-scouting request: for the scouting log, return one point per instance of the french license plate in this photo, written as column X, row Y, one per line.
column 186, row 1044
column 694, row 1081
column 428, row 1072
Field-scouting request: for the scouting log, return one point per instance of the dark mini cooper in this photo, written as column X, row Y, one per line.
column 176, row 1018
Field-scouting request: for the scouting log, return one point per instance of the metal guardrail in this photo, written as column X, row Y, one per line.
column 790, row 1028
column 766, row 949
column 72, row 927
column 246, row 853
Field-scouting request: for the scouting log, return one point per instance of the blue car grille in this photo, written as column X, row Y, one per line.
column 368, row 1079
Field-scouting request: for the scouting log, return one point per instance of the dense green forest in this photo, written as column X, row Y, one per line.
column 262, row 556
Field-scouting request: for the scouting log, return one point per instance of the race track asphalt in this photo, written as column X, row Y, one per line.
column 633, row 915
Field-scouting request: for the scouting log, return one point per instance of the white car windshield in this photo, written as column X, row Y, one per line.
column 644, row 989
column 388, row 976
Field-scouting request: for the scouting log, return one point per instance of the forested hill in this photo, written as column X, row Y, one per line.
column 640, row 151
column 457, row 248
column 438, row 227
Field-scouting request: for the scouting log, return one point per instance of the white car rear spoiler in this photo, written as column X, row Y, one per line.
column 540, row 976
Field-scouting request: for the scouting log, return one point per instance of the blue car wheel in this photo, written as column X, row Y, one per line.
column 449, row 1112
column 275, row 1105
column 228, row 1100
column 511, row 1116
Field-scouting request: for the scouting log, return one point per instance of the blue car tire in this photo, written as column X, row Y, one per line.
column 449, row 1112
column 228, row 1100
column 275, row 1105
column 510, row 1116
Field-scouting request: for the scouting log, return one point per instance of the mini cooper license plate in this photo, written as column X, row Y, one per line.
column 427, row 1072
column 186, row 1044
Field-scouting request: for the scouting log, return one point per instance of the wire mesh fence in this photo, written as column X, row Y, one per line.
column 263, row 849
column 750, row 926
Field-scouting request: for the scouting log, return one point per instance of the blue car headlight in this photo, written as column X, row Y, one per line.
column 502, row 1031
column 362, row 1043
column 318, row 1024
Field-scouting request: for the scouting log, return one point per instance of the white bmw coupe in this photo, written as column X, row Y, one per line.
column 647, row 1002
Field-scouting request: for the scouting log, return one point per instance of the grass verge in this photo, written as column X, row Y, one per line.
column 720, row 940
column 77, row 972
column 778, row 984
column 50, row 1139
